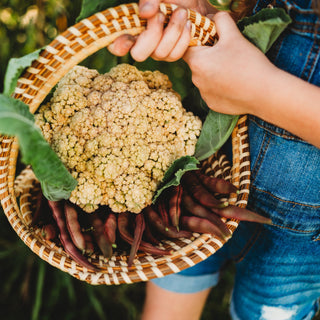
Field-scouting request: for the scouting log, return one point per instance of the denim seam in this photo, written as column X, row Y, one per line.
column 286, row 136
column 239, row 257
column 263, row 149
column 286, row 201
column 291, row 229
column 309, row 67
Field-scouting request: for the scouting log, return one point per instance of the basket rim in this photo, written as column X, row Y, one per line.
column 33, row 87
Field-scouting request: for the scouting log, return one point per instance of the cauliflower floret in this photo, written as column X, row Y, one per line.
column 117, row 134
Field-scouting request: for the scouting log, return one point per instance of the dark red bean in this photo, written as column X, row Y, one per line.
column 73, row 226
column 161, row 205
column 175, row 205
column 137, row 237
column 216, row 184
column 193, row 185
column 200, row 211
column 70, row 248
column 123, row 227
column 39, row 209
column 99, row 235
column 110, row 228
column 89, row 248
column 243, row 214
column 49, row 232
column 167, row 231
column 201, row 225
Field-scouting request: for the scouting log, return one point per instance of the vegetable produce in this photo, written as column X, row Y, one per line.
column 118, row 134
column 74, row 227
column 71, row 249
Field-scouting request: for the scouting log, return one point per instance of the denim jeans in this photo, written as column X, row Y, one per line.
column 277, row 266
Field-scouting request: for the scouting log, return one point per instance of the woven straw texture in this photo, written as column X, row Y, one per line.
column 17, row 193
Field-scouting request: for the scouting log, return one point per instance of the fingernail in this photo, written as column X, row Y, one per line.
column 183, row 14
column 146, row 8
column 128, row 43
column 188, row 25
column 161, row 17
column 111, row 47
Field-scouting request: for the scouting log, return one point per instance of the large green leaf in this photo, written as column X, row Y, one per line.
column 215, row 132
column 263, row 28
column 16, row 120
column 14, row 70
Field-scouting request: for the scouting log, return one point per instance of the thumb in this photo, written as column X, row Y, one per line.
column 225, row 25
column 148, row 8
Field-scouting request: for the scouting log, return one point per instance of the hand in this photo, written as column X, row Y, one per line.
column 229, row 73
column 168, row 44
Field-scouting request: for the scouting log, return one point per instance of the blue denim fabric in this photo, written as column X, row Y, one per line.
column 277, row 266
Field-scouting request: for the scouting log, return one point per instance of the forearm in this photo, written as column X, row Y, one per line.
column 290, row 103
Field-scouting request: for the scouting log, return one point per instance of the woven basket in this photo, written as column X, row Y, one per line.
column 17, row 193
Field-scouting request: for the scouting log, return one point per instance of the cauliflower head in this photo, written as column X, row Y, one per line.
column 117, row 134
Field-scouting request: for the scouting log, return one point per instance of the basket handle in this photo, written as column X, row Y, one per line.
column 88, row 36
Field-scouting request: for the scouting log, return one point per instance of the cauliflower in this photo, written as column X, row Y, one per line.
column 117, row 134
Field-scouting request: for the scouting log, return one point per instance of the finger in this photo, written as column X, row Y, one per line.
column 122, row 45
column 225, row 25
column 181, row 46
column 172, row 34
column 148, row 39
column 148, row 8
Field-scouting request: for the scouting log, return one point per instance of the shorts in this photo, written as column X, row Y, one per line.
column 272, row 281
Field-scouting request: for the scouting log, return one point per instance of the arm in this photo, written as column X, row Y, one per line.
column 235, row 77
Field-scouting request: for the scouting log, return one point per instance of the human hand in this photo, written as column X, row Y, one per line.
column 229, row 73
column 168, row 44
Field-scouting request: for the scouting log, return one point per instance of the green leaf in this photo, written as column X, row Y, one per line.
column 175, row 172
column 263, row 28
column 16, row 120
column 215, row 132
column 14, row 70
column 90, row 7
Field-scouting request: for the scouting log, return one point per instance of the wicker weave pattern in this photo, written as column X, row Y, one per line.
column 67, row 50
